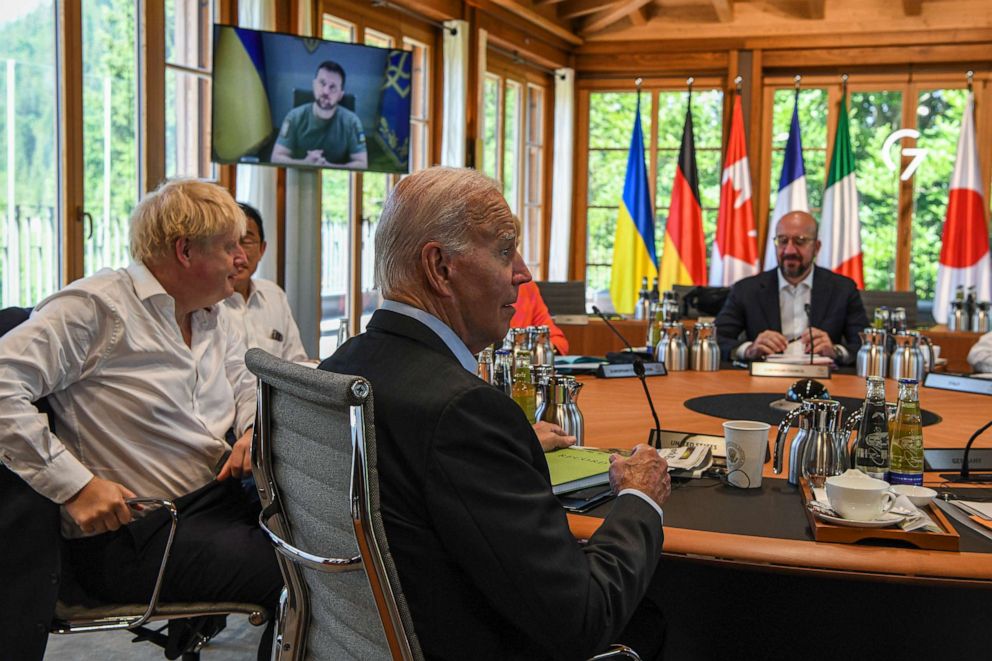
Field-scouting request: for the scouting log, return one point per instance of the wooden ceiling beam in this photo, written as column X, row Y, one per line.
column 544, row 3
column 575, row 8
column 640, row 16
column 724, row 10
column 912, row 7
column 540, row 21
column 813, row 9
column 608, row 17
column 793, row 60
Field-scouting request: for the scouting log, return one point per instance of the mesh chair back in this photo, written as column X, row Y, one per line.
column 893, row 299
column 564, row 297
column 309, row 421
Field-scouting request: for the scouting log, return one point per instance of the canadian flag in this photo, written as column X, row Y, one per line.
column 964, row 253
column 735, row 250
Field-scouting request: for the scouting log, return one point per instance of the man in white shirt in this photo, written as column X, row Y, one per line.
column 259, row 307
column 146, row 380
column 797, row 302
column 980, row 356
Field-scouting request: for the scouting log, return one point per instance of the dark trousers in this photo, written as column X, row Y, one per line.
column 645, row 632
column 219, row 554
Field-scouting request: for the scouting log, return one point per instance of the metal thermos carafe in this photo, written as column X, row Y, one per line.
column 542, row 351
column 819, row 450
column 704, row 355
column 980, row 321
column 560, row 406
column 958, row 319
column 872, row 357
column 908, row 360
column 672, row 349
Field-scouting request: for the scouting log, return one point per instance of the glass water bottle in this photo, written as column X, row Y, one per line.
column 871, row 449
column 906, row 439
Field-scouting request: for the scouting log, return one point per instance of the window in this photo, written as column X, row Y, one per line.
column 30, row 240
column 351, row 202
column 512, row 130
column 611, row 121
column 110, row 130
column 188, row 35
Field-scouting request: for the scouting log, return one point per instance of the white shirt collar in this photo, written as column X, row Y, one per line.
column 784, row 284
column 441, row 329
column 145, row 283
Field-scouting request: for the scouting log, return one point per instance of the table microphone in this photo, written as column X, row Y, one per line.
column 809, row 325
column 965, row 475
column 654, row 436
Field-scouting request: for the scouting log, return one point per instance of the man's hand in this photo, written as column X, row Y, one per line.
column 644, row 470
column 822, row 344
column 552, row 437
column 767, row 342
column 315, row 157
column 99, row 506
column 238, row 464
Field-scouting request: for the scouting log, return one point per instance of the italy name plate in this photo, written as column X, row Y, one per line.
column 790, row 371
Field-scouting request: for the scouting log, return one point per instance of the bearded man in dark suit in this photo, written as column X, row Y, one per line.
column 483, row 550
column 765, row 312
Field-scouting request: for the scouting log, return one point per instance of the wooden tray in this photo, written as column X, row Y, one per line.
column 946, row 540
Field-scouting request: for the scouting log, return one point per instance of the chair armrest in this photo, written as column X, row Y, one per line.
column 300, row 556
column 616, row 652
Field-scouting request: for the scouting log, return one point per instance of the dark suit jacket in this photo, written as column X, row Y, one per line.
column 752, row 307
column 482, row 547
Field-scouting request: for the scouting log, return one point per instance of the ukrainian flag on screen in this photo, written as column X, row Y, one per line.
column 393, row 126
column 634, row 255
column 242, row 120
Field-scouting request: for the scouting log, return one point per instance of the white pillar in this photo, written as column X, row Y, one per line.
column 562, row 174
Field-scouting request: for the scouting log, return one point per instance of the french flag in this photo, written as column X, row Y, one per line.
column 791, row 185
column 964, row 253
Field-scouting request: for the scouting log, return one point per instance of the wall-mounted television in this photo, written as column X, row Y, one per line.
column 285, row 100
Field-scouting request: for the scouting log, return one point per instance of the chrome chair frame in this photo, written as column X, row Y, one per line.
column 291, row 636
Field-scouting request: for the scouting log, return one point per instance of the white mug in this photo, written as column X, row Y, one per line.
column 859, row 500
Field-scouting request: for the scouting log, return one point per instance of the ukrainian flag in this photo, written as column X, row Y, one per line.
column 239, row 85
column 393, row 125
column 634, row 255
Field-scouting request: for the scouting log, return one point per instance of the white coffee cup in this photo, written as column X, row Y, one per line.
column 859, row 497
column 747, row 444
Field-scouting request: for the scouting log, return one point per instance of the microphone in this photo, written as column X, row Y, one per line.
column 809, row 325
column 654, row 436
column 965, row 474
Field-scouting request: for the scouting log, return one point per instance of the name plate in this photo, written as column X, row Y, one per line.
column 949, row 459
column 958, row 382
column 627, row 370
column 791, row 371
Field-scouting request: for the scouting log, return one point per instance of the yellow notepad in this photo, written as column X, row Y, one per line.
column 577, row 468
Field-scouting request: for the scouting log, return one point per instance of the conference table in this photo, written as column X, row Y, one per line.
column 733, row 564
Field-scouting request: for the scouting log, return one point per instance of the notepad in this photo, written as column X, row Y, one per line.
column 578, row 468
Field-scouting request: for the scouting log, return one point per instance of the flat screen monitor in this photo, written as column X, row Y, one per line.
column 285, row 100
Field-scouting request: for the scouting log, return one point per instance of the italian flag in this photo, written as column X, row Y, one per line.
column 964, row 253
column 840, row 229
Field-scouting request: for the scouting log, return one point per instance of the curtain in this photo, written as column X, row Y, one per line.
column 455, row 85
column 561, row 175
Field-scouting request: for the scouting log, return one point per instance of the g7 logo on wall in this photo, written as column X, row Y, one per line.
column 916, row 153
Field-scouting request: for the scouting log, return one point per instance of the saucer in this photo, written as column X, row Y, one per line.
column 887, row 519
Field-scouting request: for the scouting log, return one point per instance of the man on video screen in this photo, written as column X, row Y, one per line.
column 323, row 133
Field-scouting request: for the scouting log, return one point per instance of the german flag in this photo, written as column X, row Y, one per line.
column 683, row 256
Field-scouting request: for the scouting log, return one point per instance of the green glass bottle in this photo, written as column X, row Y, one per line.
column 906, row 440
column 523, row 391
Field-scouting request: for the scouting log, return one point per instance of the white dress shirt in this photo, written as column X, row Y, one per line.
column 266, row 320
column 132, row 402
column 980, row 355
column 792, row 302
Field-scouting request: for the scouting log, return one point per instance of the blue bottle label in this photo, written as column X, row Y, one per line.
column 906, row 478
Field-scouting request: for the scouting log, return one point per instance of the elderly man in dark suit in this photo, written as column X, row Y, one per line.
column 484, row 553
column 765, row 312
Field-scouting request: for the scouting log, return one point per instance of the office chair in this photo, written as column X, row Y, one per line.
column 568, row 298
column 314, row 460
column 31, row 567
column 315, row 439
column 893, row 299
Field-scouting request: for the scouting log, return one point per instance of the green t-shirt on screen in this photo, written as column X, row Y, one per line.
column 339, row 137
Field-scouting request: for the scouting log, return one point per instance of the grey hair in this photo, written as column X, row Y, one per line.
column 442, row 204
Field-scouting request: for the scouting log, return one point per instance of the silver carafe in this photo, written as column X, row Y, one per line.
column 560, row 406
column 672, row 349
column 542, row 351
column 958, row 319
column 872, row 358
column 704, row 355
column 819, row 449
column 907, row 360
column 980, row 322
